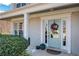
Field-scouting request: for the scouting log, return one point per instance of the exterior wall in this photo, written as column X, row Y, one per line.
column 5, row 27
column 75, row 34
column 35, row 31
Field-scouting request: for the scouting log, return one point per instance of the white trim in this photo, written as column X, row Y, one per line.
column 46, row 23
column 64, row 47
column 47, row 32
column 61, row 34
column 41, row 31
column 43, row 22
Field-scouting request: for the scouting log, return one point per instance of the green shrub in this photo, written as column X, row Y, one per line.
column 12, row 45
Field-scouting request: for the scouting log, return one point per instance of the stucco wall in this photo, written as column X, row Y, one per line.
column 75, row 33
column 35, row 31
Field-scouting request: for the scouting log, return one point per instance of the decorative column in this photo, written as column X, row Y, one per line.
column 68, row 26
column 25, row 27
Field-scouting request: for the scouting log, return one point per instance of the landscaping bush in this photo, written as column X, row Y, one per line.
column 11, row 45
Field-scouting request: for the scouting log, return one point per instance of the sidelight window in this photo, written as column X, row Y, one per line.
column 64, row 33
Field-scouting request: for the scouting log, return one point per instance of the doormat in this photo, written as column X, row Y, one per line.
column 51, row 51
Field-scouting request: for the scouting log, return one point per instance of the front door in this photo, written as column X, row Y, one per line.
column 54, row 33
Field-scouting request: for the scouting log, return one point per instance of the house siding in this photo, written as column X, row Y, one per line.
column 75, row 34
column 35, row 31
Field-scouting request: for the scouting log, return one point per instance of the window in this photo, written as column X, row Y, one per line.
column 23, row 4
column 45, row 31
column 21, row 29
column 64, row 33
column 18, row 5
column 45, row 35
column 18, row 29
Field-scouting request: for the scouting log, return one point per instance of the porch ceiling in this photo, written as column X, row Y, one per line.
column 30, row 9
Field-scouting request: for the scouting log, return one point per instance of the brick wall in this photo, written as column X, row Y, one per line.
column 5, row 27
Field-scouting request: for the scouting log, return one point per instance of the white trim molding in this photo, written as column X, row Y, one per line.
column 41, row 31
column 68, row 26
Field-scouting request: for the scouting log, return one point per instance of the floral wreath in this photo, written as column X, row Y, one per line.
column 54, row 26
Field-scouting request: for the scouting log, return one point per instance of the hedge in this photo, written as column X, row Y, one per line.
column 11, row 45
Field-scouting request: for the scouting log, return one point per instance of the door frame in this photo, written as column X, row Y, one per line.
column 68, row 29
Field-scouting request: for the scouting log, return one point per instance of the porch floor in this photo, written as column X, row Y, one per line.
column 35, row 52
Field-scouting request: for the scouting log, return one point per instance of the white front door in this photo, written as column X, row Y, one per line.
column 55, row 38
column 54, row 33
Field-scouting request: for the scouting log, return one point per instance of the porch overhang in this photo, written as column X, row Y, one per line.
column 31, row 9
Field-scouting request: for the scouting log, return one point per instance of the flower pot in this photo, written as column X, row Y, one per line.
column 42, row 46
column 37, row 47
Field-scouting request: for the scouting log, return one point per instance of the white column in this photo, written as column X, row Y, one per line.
column 68, row 26
column 25, row 28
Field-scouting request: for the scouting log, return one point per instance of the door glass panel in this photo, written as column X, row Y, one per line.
column 64, row 33
column 54, row 33
column 46, row 33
